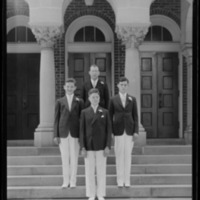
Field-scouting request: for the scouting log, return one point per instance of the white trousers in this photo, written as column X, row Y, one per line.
column 95, row 160
column 69, row 149
column 123, row 146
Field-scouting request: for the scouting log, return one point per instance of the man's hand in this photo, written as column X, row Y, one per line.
column 106, row 152
column 135, row 136
column 84, row 152
column 56, row 140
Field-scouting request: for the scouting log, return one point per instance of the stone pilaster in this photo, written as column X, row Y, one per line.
column 46, row 37
column 132, row 36
column 187, row 52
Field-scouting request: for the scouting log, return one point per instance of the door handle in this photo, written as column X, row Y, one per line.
column 24, row 103
column 160, row 100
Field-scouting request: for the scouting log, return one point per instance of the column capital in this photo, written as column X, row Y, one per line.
column 187, row 52
column 46, row 35
column 132, row 35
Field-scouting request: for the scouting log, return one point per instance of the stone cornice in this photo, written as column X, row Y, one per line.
column 132, row 35
column 47, row 35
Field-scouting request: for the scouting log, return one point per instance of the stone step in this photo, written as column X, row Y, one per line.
column 166, row 141
column 20, row 143
column 168, row 150
column 136, row 191
column 147, row 150
column 141, row 179
column 115, row 199
column 136, row 159
column 111, row 169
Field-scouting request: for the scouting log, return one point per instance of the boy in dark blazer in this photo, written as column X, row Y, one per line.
column 66, row 131
column 94, row 82
column 124, row 118
column 95, row 144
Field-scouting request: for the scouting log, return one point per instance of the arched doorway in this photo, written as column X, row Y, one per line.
column 89, row 40
column 23, row 64
column 160, row 80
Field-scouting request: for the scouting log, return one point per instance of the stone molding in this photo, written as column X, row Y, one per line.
column 187, row 53
column 89, row 2
column 132, row 35
column 47, row 35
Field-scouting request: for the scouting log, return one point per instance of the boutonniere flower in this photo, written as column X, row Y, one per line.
column 102, row 82
column 77, row 99
column 130, row 98
column 101, row 112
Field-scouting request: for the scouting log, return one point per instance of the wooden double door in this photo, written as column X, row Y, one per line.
column 159, row 94
column 79, row 66
column 22, row 95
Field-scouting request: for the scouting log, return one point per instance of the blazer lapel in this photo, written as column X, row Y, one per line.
column 73, row 102
column 95, row 114
column 128, row 99
column 119, row 101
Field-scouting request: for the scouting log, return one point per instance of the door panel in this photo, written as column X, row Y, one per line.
column 22, row 95
column 79, row 66
column 159, row 90
column 148, row 94
column 168, row 95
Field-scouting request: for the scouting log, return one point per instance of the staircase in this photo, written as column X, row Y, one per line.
column 158, row 172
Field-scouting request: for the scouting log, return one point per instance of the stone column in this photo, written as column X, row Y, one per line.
column 46, row 36
column 132, row 36
column 188, row 131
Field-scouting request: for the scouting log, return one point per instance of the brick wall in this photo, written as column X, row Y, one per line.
column 169, row 8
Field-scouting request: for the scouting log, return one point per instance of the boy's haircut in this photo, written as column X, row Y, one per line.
column 70, row 80
column 123, row 79
column 93, row 90
column 93, row 65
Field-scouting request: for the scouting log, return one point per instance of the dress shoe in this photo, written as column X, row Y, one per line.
column 120, row 185
column 91, row 198
column 72, row 185
column 127, row 185
column 64, row 186
column 101, row 198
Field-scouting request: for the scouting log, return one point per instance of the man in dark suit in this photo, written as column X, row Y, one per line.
column 124, row 118
column 66, row 131
column 94, row 82
column 95, row 144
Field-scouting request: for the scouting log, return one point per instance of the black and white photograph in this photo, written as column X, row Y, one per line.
column 100, row 99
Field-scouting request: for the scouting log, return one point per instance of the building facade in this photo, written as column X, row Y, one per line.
column 148, row 41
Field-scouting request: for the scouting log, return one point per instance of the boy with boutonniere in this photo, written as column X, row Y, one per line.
column 95, row 144
column 124, row 118
column 66, row 131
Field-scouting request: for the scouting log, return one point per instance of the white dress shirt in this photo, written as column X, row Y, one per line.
column 69, row 99
column 123, row 98
column 94, row 82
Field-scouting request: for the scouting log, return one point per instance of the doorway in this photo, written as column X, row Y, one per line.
column 79, row 66
column 159, row 94
column 22, row 95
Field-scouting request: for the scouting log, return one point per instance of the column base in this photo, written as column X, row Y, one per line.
column 141, row 140
column 43, row 136
column 188, row 135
